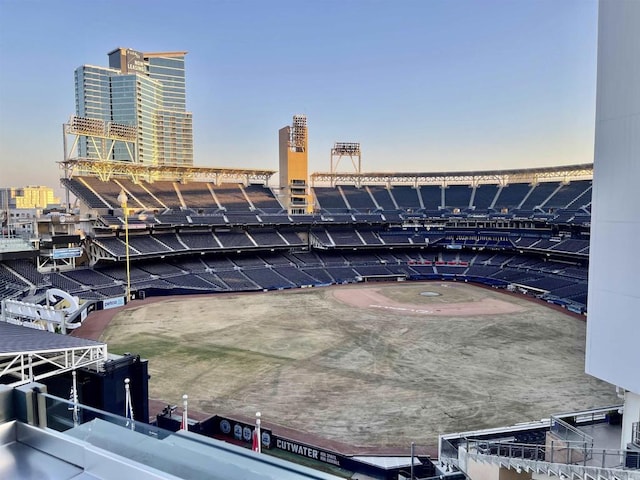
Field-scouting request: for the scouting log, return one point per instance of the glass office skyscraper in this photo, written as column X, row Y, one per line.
column 145, row 90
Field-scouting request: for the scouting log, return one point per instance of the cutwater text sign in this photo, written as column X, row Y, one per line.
column 307, row 451
column 112, row 303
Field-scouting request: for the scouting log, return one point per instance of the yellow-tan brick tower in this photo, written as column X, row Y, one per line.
column 294, row 166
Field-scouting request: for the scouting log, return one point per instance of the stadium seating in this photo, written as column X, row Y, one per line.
column 539, row 195
column 330, row 200
column 263, row 199
column 458, row 196
column 358, row 198
column 511, row 196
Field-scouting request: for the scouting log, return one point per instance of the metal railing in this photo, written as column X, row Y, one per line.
column 635, row 434
column 554, row 453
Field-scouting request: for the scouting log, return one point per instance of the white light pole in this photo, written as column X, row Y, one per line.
column 122, row 198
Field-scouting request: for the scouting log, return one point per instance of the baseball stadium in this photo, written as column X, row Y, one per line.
column 384, row 325
column 364, row 308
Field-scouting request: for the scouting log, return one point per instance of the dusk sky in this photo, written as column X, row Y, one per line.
column 438, row 85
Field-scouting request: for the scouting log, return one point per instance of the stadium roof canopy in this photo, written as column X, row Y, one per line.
column 501, row 177
column 29, row 355
column 136, row 171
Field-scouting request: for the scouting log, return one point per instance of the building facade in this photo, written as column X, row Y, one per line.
column 143, row 90
column 613, row 329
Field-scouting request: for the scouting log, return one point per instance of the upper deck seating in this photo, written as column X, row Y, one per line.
column 583, row 200
column 330, row 199
column 406, row 197
column 358, row 198
column 109, row 192
column 383, row 197
column 568, row 194
column 431, row 197
column 511, row 196
column 196, row 195
column 484, row 196
column 166, row 193
column 539, row 195
column 142, row 196
column 84, row 193
column 263, row 199
column 458, row 196
column 231, row 197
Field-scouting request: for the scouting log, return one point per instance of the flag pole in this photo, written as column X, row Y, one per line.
column 74, row 390
column 185, row 416
column 128, row 405
column 257, row 442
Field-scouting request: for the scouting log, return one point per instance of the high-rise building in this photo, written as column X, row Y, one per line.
column 142, row 90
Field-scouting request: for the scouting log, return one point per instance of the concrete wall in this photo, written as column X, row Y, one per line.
column 613, row 326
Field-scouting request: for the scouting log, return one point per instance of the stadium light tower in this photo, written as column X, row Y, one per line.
column 122, row 198
column 346, row 149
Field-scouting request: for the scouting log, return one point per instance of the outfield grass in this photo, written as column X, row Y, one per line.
column 374, row 375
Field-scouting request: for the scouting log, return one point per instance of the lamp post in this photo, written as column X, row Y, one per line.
column 122, row 198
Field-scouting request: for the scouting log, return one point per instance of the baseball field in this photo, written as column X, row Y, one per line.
column 375, row 364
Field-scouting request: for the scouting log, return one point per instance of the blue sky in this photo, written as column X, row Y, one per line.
column 437, row 85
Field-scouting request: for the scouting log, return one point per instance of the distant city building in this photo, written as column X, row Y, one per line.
column 142, row 90
column 28, row 197
column 19, row 208
column 36, row 197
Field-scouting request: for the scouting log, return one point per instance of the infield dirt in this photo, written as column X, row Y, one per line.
column 367, row 364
